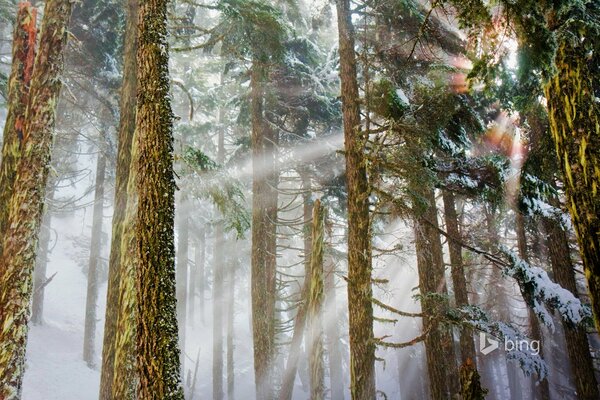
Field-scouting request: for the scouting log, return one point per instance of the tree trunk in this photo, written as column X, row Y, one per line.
column 230, row 326
column 467, row 346
column 541, row 391
column 578, row 347
column 264, row 213
column 183, row 238
column 27, row 200
column 360, row 307
column 200, row 260
column 125, row 137
column 291, row 368
column 89, row 334
column 41, row 262
column 157, row 344
column 332, row 335
column 315, row 304
column 218, row 283
column 23, row 57
column 441, row 362
column 217, row 298
column 574, row 115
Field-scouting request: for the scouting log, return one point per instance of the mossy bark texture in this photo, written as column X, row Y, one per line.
column 574, row 115
column 360, row 307
column 27, row 200
column 264, row 215
column 157, row 350
column 115, row 306
column 23, row 55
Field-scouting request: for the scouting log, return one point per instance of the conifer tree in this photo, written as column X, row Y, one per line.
column 360, row 307
column 27, row 200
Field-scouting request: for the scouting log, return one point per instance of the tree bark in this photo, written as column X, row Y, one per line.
column 467, row 346
column 23, row 57
column 199, row 260
column 27, row 200
column 41, row 262
column 574, row 116
column 125, row 137
column 218, row 283
column 578, row 347
column 315, row 304
column 230, row 328
column 441, row 362
column 264, row 214
column 183, row 238
column 156, row 341
column 360, row 307
column 332, row 335
column 89, row 334
column 541, row 391
column 217, row 298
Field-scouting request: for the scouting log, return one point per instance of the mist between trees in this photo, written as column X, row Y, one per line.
column 245, row 199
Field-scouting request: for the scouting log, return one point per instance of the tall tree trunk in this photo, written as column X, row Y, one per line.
column 574, row 115
column 217, row 299
column 230, row 327
column 192, row 287
column 441, row 362
column 467, row 346
column 263, row 236
column 360, row 307
column 541, row 391
column 23, row 57
column 89, row 334
column 315, row 304
column 157, row 344
column 183, row 238
column 291, row 368
column 499, row 298
column 200, row 260
column 125, row 137
column 41, row 262
column 578, row 347
column 332, row 335
column 27, row 200
column 218, row 281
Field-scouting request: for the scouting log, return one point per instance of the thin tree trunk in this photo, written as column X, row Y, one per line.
column 41, row 262
column 192, row 288
column 157, row 343
column 541, row 391
column 127, row 106
column 467, row 346
column 217, row 298
column 578, row 347
column 291, row 368
column 315, row 304
column 574, row 115
column 360, row 307
column 183, row 238
column 263, row 237
column 27, row 200
column 200, row 260
column 332, row 335
column 23, row 57
column 441, row 363
column 230, row 328
column 89, row 334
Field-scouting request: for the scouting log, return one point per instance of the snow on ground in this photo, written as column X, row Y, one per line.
column 55, row 368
